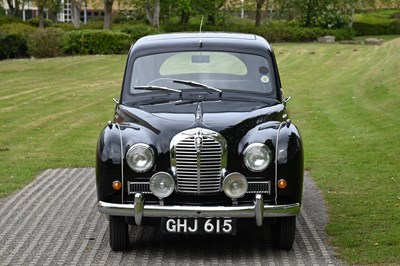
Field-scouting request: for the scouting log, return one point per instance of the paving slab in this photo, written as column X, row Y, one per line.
column 54, row 221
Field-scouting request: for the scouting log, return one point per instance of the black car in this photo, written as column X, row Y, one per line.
column 200, row 142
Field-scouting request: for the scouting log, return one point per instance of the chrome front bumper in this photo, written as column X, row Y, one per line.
column 139, row 210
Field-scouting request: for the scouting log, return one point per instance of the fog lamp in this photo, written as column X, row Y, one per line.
column 162, row 184
column 235, row 185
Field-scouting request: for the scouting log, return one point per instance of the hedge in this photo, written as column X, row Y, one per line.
column 12, row 46
column 386, row 22
column 282, row 31
column 138, row 31
column 13, row 40
column 85, row 42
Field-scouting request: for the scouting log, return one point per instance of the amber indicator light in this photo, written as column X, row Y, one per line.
column 282, row 183
column 116, row 185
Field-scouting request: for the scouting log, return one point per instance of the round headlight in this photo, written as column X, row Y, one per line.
column 257, row 157
column 235, row 185
column 162, row 184
column 140, row 157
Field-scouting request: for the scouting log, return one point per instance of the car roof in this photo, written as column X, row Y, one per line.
column 205, row 35
column 218, row 41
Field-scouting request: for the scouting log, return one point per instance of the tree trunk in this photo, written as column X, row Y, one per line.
column 76, row 13
column 153, row 13
column 40, row 6
column 156, row 16
column 107, row 14
column 13, row 10
column 185, row 18
column 259, row 5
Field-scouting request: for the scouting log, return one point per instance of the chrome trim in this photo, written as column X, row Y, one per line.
column 260, row 187
column 122, row 162
column 138, row 208
column 138, row 187
column 276, row 160
column 198, row 169
column 257, row 210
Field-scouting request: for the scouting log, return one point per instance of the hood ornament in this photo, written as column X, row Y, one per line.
column 199, row 111
column 198, row 140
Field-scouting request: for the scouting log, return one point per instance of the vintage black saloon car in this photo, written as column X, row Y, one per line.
column 200, row 142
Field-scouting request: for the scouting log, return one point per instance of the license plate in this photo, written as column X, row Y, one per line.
column 199, row 226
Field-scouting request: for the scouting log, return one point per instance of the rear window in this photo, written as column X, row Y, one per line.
column 222, row 70
column 204, row 62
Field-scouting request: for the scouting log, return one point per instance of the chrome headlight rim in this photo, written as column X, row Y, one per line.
column 143, row 149
column 253, row 148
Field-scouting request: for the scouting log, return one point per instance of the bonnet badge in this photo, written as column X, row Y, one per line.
column 198, row 140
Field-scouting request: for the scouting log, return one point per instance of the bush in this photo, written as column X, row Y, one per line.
column 96, row 42
column 385, row 22
column 8, row 20
column 17, row 28
column 275, row 30
column 12, row 46
column 291, row 31
column 138, row 31
column 46, row 42
column 13, row 40
column 35, row 22
column 93, row 24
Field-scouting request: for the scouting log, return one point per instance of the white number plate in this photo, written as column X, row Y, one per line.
column 199, row 226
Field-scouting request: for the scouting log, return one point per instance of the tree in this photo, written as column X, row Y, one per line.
column 208, row 8
column 153, row 12
column 321, row 13
column 259, row 4
column 76, row 13
column 14, row 8
column 107, row 14
column 41, row 4
column 53, row 8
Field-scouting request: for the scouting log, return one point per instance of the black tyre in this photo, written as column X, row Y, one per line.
column 119, row 235
column 283, row 232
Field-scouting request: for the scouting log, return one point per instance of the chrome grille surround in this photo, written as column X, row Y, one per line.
column 198, row 160
column 138, row 187
column 259, row 187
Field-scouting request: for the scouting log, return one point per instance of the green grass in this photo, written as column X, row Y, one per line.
column 52, row 111
column 345, row 100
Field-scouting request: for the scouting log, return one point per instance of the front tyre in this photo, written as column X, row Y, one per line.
column 119, row 235
column 283, row 232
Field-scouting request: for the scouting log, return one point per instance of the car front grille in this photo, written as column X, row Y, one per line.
column 198, row 167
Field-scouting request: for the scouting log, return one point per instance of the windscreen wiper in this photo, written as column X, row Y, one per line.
column 197, row 84
column 157, row 88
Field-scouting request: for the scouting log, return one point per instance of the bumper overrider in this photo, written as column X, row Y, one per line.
column 139, row 209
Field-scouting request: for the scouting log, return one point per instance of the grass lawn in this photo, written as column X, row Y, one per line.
column 346, row 102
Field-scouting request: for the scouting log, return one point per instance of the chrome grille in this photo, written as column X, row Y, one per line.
column 263, row 187
column 138, row 187
column 198, row 170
